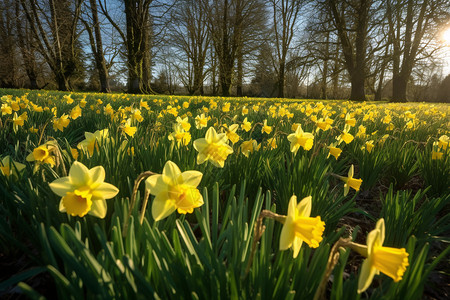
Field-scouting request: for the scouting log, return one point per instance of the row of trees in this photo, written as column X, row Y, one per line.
column 335, row 48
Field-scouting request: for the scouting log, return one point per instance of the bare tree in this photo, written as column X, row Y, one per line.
column 59, row 48
column 354, row 52
column 7, row 46
column 136, row 38
column 92, row 27
column 191, row 37
column 411, row 31
column 285, row 14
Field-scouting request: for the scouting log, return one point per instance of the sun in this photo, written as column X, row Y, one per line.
column 446, row 36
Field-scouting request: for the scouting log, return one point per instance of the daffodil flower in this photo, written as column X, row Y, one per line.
column 231, row 133
column 75, row 112
column 201, row 121
column 84, row 191
column 213, row 147
column 350, row 182
column 184, row 123
column 299, row 227
column 43, row 154
column 390, row 261
column 92, row 140
column 179, row 135
column 174, row 190
column 246, row 125
column 248, row 147
column 61, row 123
column 443, row 142
column 11, row 168
column 300, row 139
column 336, row 152
column 128, row 129
column 266, row 128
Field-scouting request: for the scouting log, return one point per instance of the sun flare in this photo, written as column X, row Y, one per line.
column 446, row 36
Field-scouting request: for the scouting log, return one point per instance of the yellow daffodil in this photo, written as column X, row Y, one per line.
column 93, row 140
column 6, row 109
column 11, row 168
column 84, row 191
column 324, row 124
column 390, row 261
column 144, row 104
column 246, row 125
column 231, row 133
column 248, row 147
column 226, row 107
column 346, row 137
column 83, row 102
column 75, row 112
column 184, row 123
column 300, row 139
column 128, row 129
column 349, row 120
column 18, row 121
column 179, row 135
column 272, row 143
column 299, row 227
column 174, row 190
column 213, row 147
column 361, row 131
column 136, row 115
column 436, row 154
column 369, row 146
column 68, row 99
column 43, row 154
column 387, row 119
column 443, row 142
column 350, row 182
column 15, row 106
column 201, row 121
column 266, row 128
column 336, row 152
column 61, row 123
column 74, row 153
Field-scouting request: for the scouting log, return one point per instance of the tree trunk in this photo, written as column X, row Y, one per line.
column 357, row 91
column 240, row 72
column 280, row 82
column 399, row 85
column 98, row 54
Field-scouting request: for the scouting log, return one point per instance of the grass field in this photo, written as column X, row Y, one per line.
column 131, row 196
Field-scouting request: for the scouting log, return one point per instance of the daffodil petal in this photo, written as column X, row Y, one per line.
column 372, row 238
column 78, row 174
column 351, row 172
column 287, row 234
column 192, row 178
column 380, row 226
column 366, row 276
column 292, row 205
column 98, row 208
column 162, row 208
column 296, row 245
column 155, row 184
column 304, row 207
column 105, row 191
column 171, row 170
column 97, row 174
column 61, row 186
